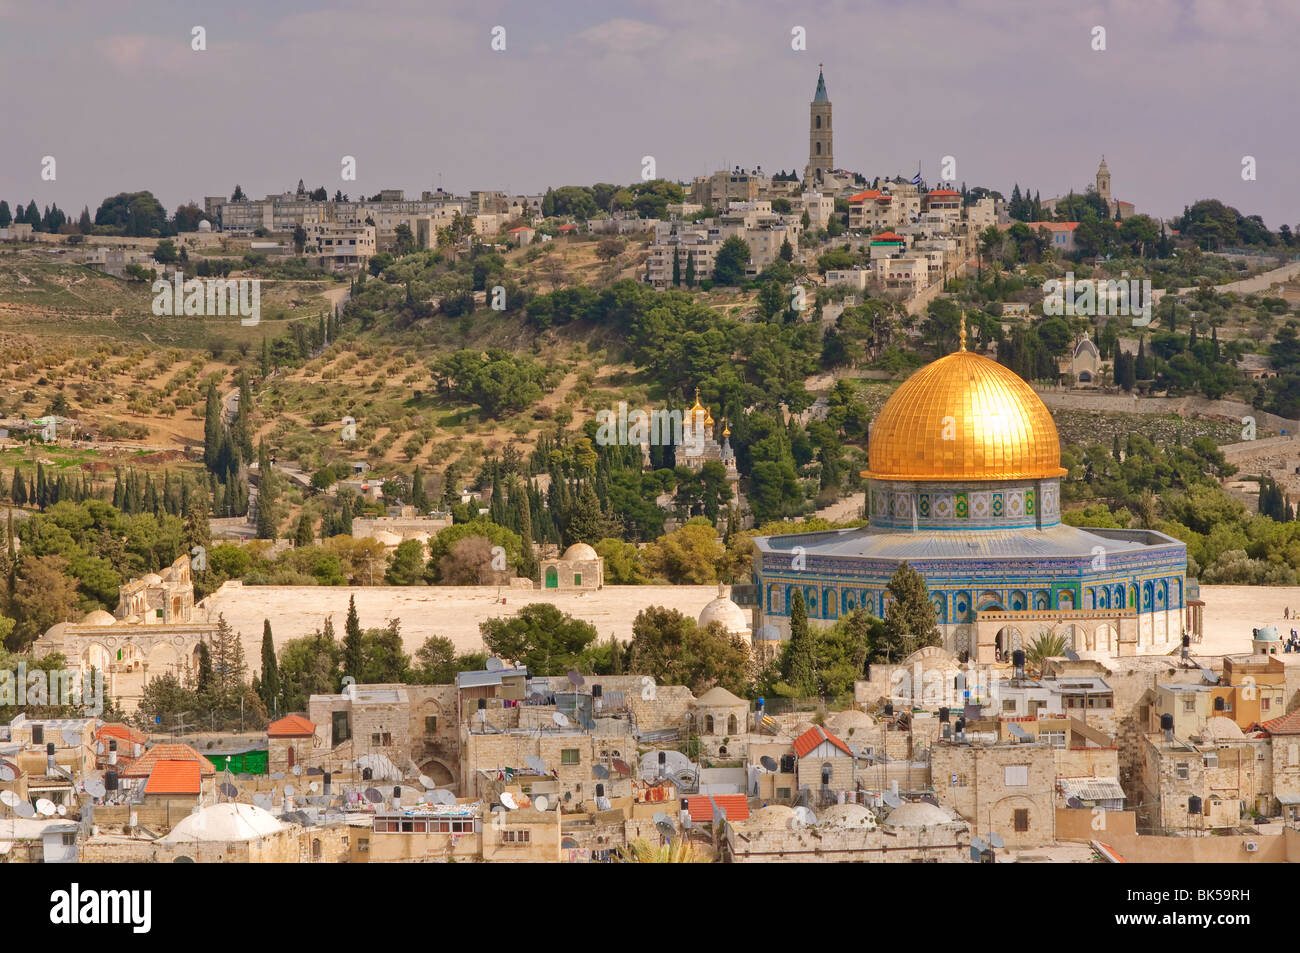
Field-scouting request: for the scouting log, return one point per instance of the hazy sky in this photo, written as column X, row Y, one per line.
column 1011, row 88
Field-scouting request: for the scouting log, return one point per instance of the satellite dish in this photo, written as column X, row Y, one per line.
column 602, row 804
column 9, row 798
column 508, row 800
column 229, row 790
column 995, row 840
column 576, row 679
column 24, row 809
column 442, row 797
column 560, row 719
column 427, row 781
column 891, row 800
column 63, row 811
column 660, row 817
column 768, row 763
column 622, row 767
column 977, row 844
column 263, row 801
column 71, row 737
column 8, row 772
column 805, row 816
column 536, row 763
column 373, row 796
column 600, row 772
column 297, row 769
column 95, row 787
column 46, row 808
column 1073, row 802
column 666, row 829
column 540, row 802
column 314, row 787
column 495, row 664
column 930, row 799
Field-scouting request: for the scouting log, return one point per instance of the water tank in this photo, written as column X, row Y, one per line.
column 1166, row 722
column 1194, row 805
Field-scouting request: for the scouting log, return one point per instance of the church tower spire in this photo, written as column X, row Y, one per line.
column 821, row 155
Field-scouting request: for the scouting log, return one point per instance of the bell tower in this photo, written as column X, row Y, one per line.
column 821, row 156
column 1103, row 182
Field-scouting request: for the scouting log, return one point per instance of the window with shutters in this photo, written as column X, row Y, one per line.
column 1021, row 820
column 1016, row 775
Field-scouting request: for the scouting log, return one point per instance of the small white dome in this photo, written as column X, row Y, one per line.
column 205, row 226
column 1223, row 729
column 151, row 579
column 579, row 552
column 99, row 617
column 774, row 817
column 917, row 814
column 225, row 822
column 848, row 815
column 845, row 723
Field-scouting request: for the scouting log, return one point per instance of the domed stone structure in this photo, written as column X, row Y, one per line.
column 226, row 822
column 916, row 814
column 581, row 567
column 964, row 487
column 722, row 610
column 848, row 815
column 99, row 617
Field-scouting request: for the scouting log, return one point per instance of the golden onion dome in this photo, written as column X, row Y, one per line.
column 964, row 417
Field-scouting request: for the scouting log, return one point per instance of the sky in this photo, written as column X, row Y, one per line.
column 1013, row 90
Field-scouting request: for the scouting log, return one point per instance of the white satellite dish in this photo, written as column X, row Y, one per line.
column 540, row 802
column 63, row 811
column 24, row 810
column 9, row 798
column 805, row 817
column 508, row 800
column 289, row 790
column 95, row 787
column 46, row 808
column 263, row 801
column 297, row 769
column 71, row 737
column 560, row 719
column 495, row 664
column 426, row 781
column 8, row 772
column 314, row 787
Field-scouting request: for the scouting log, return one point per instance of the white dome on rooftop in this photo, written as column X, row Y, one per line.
column 848, row 815
column 151, row 579
column 230, row 821
column 99, row 617
column 722, row 610
column 917, row 814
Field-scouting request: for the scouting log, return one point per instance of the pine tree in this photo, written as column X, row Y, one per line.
column 352, row 656
column 909, row 618
column 419, row 496
column 303, row 535
column 800, row 668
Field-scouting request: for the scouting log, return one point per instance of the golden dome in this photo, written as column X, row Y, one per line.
column 964, row 417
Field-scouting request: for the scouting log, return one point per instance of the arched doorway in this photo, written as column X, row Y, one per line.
column 1105, row 638
column 552, row 578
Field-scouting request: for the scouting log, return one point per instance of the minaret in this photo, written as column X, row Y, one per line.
column 1103, row 182
column 821, row 156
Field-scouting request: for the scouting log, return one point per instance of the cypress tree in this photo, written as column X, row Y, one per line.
column 801, row 663
column 419, row 497
column 18, row 492
column 211, row 426
column 352, row 658
column 303, row 535
column 270, row 679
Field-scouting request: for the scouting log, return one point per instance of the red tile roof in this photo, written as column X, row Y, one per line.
column 887, row 237
column 173, row 777
column 119, row 732
column 291, row 726
column 813, row 737
column 143, row 766
column 1286, row 725
column 735, row 806
column 942, row 193
column 863, row 196
column 521, row 228
column 566, row 228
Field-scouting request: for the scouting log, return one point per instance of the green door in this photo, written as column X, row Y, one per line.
column 552, row 578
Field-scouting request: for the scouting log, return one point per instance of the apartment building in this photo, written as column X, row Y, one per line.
column 341, row 247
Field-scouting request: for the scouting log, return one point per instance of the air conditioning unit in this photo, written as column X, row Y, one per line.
column 1251, row 847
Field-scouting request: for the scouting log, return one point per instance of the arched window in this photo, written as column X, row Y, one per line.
column 732, row 726
column 817, row 120
column 828, row 773
column 708, row 724
column 819, row 148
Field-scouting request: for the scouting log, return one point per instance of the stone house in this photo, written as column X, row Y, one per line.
column 823, row 765
column 1004, row 788
column 581, row 567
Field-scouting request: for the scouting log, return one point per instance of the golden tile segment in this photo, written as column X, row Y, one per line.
column 964, row 417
